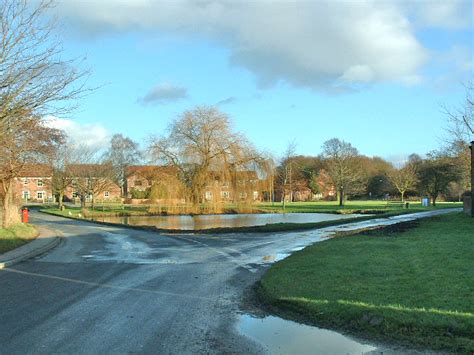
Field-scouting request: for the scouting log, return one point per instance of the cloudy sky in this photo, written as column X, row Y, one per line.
column 374, row 73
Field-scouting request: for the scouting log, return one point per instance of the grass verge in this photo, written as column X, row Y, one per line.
column 409, row 285
column 16, row 236
column 364, row 207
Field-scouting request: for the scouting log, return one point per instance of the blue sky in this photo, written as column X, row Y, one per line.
column 282, row 70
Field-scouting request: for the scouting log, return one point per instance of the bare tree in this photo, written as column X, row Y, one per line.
column 286, row 172
column 91, row 175
column 201, row 145
column 461, row 119
column 436, row 172
column 33, row 76
column 122, row 153
column 34, row 81
column 28, row 141
column 403, row 179
column 342, row 165
column 62, row 179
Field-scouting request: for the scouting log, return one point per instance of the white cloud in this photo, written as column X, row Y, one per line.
column 317, row 44
column 448, row 14
column 163, row 93
column 92, row 135
column 227, row 101
column 358, row 73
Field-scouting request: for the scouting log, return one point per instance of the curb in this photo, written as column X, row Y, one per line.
column 47, row 240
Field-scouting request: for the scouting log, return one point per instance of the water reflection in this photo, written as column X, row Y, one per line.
column 286, row 337
column 221, row 221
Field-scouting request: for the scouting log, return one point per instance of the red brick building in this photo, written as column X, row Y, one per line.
column 34, row 183
column 97, row 178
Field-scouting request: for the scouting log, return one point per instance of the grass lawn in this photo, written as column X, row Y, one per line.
column 412, row 284
column 368, row 206
column 76, row 212
column 16, row 236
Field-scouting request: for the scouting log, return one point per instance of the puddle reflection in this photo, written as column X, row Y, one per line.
column 286, row 337
column 222, row 221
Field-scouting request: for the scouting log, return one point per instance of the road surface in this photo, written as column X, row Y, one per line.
column 117, row 290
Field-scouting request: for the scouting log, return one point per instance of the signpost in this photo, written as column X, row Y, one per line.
column 469, row 198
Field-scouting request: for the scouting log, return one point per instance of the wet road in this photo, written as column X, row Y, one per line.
column 118, row 290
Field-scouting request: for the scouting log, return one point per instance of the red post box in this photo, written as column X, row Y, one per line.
column 24, row 215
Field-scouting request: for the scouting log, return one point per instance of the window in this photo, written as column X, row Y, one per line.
column 26, row 181
column 40, row 195
column 138, row 183
column 26, row 195
column 106, row 194
column 208, row 195
column 39, row 183
column 255, row 195
column 243, row 195
column 225, row 194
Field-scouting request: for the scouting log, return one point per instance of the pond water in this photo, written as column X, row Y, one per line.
column 281, row 336
column 221, row 221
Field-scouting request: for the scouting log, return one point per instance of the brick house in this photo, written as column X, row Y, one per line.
column 162, row 183
column 98, row 177
column 34, row 183
column 142, row 177
column 240, row 186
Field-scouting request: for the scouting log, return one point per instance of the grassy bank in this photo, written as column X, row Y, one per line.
column 138, row 210
column 411, row 284
column 370, row 206
column 16, row 236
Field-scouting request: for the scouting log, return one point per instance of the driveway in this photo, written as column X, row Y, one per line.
column 117, row 290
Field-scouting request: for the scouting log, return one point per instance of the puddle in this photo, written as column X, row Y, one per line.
column 222, row 221
column 122, row 248
column 281, row 336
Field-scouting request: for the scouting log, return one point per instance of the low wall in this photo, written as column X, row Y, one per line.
column 468, row 205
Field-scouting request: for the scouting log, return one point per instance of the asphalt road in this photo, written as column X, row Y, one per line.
column 118, row 290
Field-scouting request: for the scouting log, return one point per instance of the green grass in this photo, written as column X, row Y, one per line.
column 414, row 287
column 16, row 236
column 76, row 212
column 369, row 206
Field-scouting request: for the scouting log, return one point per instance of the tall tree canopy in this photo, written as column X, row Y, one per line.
column 202, row 145
column 342, row 162
column 35, row 81
column 122, row 153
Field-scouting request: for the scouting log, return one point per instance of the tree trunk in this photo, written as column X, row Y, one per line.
column 10, row 213
column 83, row 203
column 434, row 200
column 60, row 201
column 283, row 199
column 341, row 197
column 403, row 196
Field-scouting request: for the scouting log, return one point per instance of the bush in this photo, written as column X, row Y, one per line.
column 140, row 195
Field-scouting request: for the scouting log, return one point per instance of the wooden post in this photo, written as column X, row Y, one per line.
column 472, row 178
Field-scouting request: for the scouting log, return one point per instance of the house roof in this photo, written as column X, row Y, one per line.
column 146, row 170
column 91, row 170
column 36, row 170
